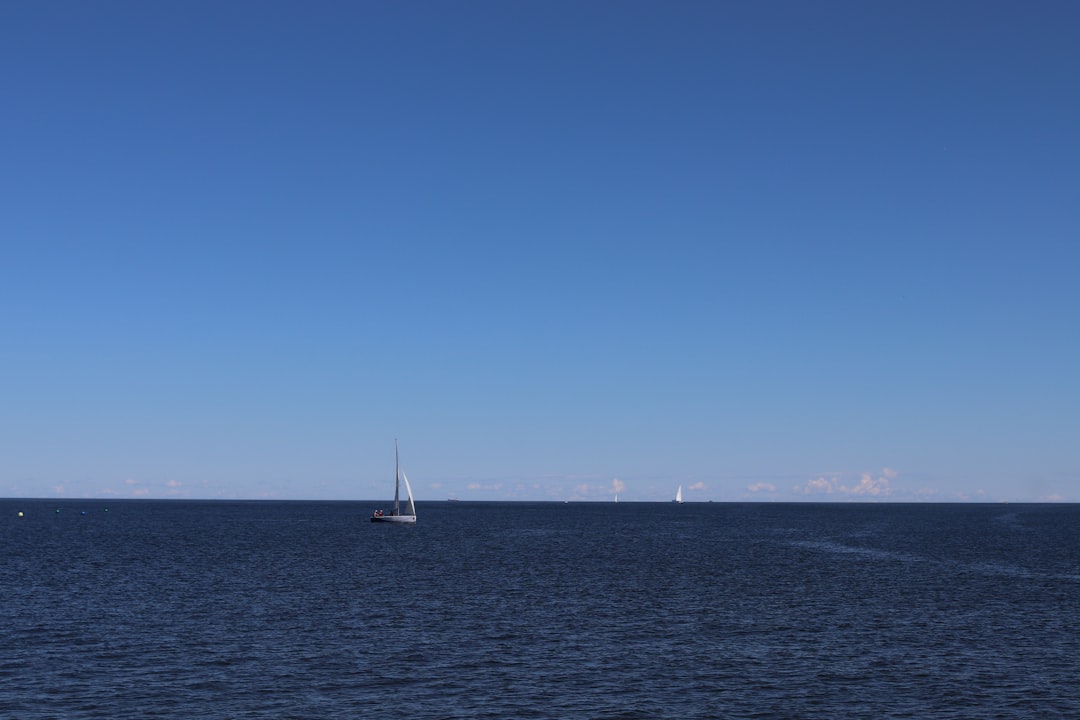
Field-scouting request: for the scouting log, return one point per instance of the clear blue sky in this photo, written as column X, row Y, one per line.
column 765, row 250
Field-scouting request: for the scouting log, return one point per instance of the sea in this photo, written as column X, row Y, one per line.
column 207, row 609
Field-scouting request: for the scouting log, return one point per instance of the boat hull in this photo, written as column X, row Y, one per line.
column 394, row 518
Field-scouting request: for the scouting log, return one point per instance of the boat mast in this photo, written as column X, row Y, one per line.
column 397, row 479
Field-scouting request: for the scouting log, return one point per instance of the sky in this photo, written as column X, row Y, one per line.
column 768, row 251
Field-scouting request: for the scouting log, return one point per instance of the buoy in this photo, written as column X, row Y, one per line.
column 83, row 512
column 20, row 513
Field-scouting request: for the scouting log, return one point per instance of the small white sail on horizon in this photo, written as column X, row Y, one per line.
column 678, row 495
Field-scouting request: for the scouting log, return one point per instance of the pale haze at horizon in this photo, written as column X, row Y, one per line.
column 558, row 250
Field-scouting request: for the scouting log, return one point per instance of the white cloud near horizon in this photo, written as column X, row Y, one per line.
column 479, row 486
column 866, row 486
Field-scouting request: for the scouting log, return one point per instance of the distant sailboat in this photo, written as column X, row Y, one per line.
column 396, row 515
column 678, row 495
column 616, row 498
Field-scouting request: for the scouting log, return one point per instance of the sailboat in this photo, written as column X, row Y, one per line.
column 678, row 495
column 396, row 515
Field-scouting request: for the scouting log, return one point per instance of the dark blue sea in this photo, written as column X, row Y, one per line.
column 177, row 609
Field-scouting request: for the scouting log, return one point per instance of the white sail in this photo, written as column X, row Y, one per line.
column 678, row 495
column 410, row 509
